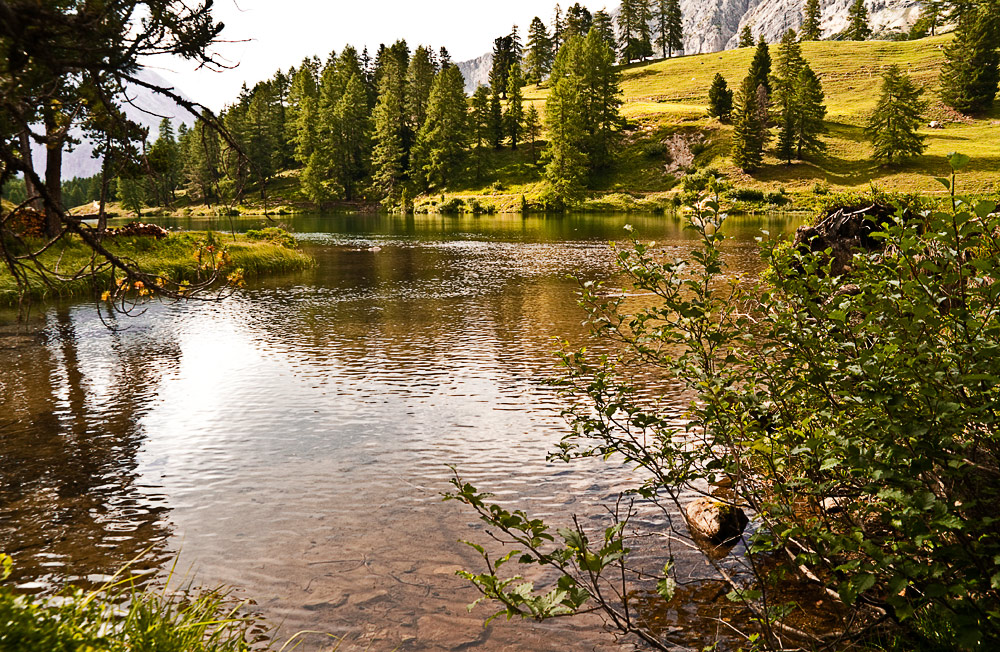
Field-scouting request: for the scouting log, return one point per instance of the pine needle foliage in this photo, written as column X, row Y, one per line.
column 898, row 115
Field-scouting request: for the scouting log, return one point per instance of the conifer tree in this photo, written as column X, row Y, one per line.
column 419, row 79
column 605, row 28
column 440, row 146
column 746, row 37
column 479, row 126
column 720, row 99
column 810, row 115
column 503, row 59
column 811, row 30
column 760, row 66
column 538, row 58
column 748, row 130
column 388, row 155
column 633, row 30
column 495, row 119
column 353, row 136
column 566, row 163
column 444, row 58
column 514, row 115
column 601, row 95
column 969, row 78
column 302, row 96
column 557, row 31
column 578, row 21
column 669, row 26
column 785, row 82
column 532, row 126
column 893, row 126
column 165, row 162
column 858, row 26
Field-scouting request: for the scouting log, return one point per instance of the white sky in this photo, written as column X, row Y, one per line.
column 280, row 33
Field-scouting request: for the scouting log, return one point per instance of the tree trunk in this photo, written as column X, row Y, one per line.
column 102, row 217
column 29, row 185
column 53, row 175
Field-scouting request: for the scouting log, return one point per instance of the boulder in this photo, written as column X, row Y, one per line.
column 716, row 521
column 935, row 124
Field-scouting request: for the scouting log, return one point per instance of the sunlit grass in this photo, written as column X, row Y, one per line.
column 174, row 257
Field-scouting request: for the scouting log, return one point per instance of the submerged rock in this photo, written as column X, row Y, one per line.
column 716, row 521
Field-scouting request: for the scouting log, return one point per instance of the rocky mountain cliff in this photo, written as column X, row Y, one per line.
column 713, row 25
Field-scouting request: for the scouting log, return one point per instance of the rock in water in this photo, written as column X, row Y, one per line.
column 716, row 521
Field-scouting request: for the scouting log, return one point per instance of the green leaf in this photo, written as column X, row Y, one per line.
column 944, row 182
column 958, row 161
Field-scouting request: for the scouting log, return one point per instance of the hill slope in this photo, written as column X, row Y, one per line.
column 670, row 95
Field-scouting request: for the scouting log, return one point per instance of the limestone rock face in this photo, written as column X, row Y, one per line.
column 772, row 18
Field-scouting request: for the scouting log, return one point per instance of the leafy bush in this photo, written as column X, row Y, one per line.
column 747, row 194
column 453, row 205
column 654, row 150
column 856, row 417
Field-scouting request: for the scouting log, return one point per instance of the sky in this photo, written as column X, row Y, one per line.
column 265, row 35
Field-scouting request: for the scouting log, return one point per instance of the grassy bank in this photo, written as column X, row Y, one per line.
column 179, row 256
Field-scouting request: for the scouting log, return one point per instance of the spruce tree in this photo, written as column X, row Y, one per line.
column 810, row 115
column 557, row 31
column 353, row 136
column 893, row 126
column 532, row 125
column 669, row 26
column 538, row 58
column 479, row 126
column 969, row 78
column 514, row 115
column 605, row 27
column 746, row 37
column 566, row 163
column 578, row 20
column 601, row 96
column 811, row 30
column 720, row 99
column 858, row 26
column 440, row 145
column 388, row 155
column 785, row 82
column 495, row 119
column 760, row 66
column 748, row 130
column 419, row 79
column 503, row 59
column 633, row 30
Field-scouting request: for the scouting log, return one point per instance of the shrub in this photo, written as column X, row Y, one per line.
column 857, row 417
column 273, row 234
column 747, row 194
column 453, row 205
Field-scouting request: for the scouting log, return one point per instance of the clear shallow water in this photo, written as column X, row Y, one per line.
column 293, row 441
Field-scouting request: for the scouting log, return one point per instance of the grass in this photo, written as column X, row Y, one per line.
column 119, row 617
column 175, row 257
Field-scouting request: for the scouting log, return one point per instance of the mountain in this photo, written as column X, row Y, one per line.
column 146, row 107
column 713, row 25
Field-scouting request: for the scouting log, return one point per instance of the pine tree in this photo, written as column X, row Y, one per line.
column 578, row 21
column 532, row 126
column 514, row 115
column 601, row 95
column 419, row 79
column 538, row 59
column 440, row 146
column 760, row 66
column 353, row 136
column 557, row 31
column 605, row 28
column 969, row 78
column 566, row 164
column 811, row 30
column 495, row 119
column 165, row 161
column 669, row 26
column 748, row 130
column 746, row 37
column 303, row 95
column 810, row 115
column 388, row 155
column 503, row 59
column 893, row 126
column 132, row 194
column 720, row 99
column 479, row 125
column 785, row 82
column 858, row 27
column 633, row 30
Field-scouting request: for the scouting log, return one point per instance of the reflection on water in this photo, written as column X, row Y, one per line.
column 293, row 441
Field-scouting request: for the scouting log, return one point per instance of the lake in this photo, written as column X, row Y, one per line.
column 293, row 441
